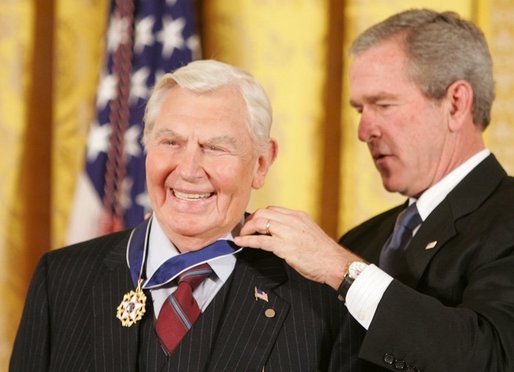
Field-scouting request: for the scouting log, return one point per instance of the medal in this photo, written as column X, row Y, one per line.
column 132, row 307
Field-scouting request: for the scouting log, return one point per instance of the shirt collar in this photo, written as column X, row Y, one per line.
column 160, row 249
column 433, row 196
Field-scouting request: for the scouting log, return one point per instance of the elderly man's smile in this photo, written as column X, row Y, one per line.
column 202, row 163
column 191, row 195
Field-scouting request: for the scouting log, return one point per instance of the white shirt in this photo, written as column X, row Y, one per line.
column 367, row 290
column 160, row 249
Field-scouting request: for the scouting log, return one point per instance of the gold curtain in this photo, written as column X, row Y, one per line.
column 495, row 18
column 50, row 55
column 16, row 49
column 289, row 46
column 282, row 43
column 79, row 33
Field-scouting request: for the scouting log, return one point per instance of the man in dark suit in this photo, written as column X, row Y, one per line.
column 422, row 84
column 207, row 140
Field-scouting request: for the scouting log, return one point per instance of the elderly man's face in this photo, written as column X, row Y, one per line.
column 201, row 165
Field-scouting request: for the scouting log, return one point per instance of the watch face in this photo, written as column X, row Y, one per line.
column 356, row 268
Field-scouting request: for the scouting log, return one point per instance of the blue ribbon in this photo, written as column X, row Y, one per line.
column 136, row 249
column 169, row 270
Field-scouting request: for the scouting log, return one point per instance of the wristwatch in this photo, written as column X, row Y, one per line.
column 355, row 268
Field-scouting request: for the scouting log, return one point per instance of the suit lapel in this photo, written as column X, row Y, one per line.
column 249, row 327
column 441, row 224
column 115, row 347
column 428, row 240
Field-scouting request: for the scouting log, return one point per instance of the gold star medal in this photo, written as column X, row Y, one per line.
column 132, row 307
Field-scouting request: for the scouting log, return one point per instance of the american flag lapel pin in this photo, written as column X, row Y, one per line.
column 260, row 295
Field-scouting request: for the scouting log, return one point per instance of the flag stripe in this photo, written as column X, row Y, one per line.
column 164, row 38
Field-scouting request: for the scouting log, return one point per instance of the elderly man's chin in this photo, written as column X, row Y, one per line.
column 198, row 228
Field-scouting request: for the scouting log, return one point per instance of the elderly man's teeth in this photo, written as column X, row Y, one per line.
column 182, row 195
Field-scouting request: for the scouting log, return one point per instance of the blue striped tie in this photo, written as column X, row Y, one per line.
column 392, row 259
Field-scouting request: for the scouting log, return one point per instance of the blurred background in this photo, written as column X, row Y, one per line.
column 69, row 139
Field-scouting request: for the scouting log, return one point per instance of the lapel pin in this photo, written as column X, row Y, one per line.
column 431, row 245
column 260, row 295
column 269, row 313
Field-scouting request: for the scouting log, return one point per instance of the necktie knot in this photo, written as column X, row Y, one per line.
column 409, row 218
column 195, row 275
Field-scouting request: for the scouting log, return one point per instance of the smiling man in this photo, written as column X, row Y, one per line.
column 202, row 161
column 175, row 293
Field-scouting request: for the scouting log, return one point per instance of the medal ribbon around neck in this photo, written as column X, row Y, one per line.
column 132, row 307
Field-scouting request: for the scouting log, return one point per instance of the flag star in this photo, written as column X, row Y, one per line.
column 131, row 143
column 144, row 35
column 124, row 193
column 98, row 140
column 159, row 74
column 107, row 90
column 144, row 201
column 171, row 35
column 118, row 32
column 193, row 43
column 138, row 87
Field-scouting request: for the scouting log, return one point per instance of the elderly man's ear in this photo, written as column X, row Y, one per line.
column 266, row 158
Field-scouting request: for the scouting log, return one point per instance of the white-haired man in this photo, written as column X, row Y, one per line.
column 212, row 306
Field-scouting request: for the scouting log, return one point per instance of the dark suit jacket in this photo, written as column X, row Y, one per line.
column 455, row 312
column 69, row 321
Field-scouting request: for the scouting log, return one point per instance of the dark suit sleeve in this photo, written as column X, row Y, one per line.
column 475, row 334
column 32, row 345
column 346, row 346
column 455, row 309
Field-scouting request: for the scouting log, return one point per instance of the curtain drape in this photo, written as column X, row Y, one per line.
column 50, row 56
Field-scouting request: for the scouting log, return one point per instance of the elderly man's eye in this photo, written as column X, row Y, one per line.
column 170, row 142
column 212, row 148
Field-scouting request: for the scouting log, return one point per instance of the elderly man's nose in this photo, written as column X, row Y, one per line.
column 190, row 163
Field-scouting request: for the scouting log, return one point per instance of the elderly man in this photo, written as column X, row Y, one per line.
column 211, row 306
column 429, row 283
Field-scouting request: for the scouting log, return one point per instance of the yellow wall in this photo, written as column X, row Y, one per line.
column 50, row 55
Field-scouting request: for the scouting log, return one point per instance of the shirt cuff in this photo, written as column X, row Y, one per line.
column 365, row 293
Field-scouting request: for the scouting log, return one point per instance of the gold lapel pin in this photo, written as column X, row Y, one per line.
column 431, row 245
column 269, row 313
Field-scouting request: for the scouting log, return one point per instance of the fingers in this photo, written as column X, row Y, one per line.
column 272, row 220
column 254, row 241
column 265, row 229
column 256, row 225
column 268, row 225
column 296, row 238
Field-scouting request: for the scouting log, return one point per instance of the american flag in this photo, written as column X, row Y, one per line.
column 145, row 39
column 260, row 295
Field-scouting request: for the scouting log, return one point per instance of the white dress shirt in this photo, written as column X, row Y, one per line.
column 367, row 290
column 160, row 249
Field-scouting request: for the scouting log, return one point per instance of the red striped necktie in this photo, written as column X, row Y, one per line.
column 180, row 310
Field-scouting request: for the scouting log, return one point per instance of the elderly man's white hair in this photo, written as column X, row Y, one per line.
column 207, row 76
